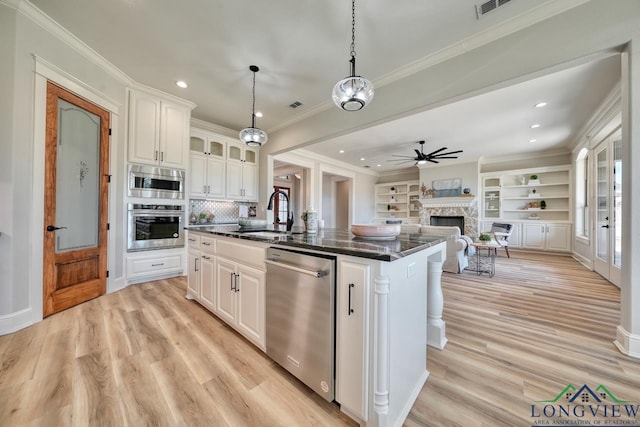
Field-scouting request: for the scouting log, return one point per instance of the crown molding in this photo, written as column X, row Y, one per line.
column 212, row 127
column 41, row 19
column 160, row 94
column 331, row 161
column 502, row 29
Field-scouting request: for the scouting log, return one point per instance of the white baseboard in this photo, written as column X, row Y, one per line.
column 116, row 285
column 627, row 343
column 15, row 321
column 584, row 261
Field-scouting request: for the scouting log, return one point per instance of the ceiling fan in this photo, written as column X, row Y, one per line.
column 421, row 158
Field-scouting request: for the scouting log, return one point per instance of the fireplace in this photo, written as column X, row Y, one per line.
column 448, row 221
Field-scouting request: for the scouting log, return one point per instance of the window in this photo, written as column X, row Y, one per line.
column 582, row 191
column 280, row 205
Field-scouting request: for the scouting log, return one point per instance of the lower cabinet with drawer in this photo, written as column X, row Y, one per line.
column 227, row 276
column 154, row 265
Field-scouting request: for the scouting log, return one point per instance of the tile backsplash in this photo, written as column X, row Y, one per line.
column 224, row 212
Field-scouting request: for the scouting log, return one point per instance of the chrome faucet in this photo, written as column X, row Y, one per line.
column 289, row 213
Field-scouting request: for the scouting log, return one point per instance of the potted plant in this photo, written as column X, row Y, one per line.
column 533, row 177
column 484, row 237
column 392, row 190
column 203, row 218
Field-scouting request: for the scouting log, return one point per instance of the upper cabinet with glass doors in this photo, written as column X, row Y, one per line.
column 240, row 153
column 207, row 144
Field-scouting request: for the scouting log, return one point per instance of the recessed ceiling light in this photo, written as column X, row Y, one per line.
column 535, row 126
column 532, row 140
column 378, row 165
column 182, row 84
column 361, row 158
column 341, row 151
column 540, row 104
column 258, row 114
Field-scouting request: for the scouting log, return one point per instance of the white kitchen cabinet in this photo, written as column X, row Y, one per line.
column 240, row 299
column 158, row 130
column 547, row 236
column 351, row 341
column 242, row 172
column 208, row 144
column 193, row 274
column 144, row 266
column 206, row 176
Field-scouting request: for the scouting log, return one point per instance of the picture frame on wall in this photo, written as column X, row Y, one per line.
column 447, row 187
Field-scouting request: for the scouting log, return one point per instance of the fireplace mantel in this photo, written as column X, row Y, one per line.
column 448, row 202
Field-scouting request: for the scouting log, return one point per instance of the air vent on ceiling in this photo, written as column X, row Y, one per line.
column 295, row 104
column 489, row 6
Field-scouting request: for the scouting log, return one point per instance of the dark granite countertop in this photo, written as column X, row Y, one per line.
column 333, row 241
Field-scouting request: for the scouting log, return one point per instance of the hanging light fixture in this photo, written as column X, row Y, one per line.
column 354, row 92
column 253, row 136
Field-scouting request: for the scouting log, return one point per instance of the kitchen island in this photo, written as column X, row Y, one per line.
column 381, row 306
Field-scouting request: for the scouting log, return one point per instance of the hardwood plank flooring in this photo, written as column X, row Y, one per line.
column 147, row 356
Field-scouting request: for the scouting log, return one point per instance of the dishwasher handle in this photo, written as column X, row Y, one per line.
column 297, row 268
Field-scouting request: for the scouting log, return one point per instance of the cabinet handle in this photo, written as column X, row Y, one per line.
column 192, row 240
column 237, row 287
column 232, row 281
column 204, row 188
column 208, row 189
column 206, row 243
column 157, row 265
column 351, row 286
column 195, row 265
column 155, row 156
column 162, row 156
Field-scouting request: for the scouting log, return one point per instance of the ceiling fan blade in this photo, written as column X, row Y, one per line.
column 398, row 155
column 432, row 161
column 446, row 154
column 418, row 153
column 443, row 157
column 431, row 154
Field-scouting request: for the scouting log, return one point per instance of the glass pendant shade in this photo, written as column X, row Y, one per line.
column 253, row 137
column 353, row 93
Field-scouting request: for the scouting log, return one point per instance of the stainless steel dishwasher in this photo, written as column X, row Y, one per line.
column 300, row 316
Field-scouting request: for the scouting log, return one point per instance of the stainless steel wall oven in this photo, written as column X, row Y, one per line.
column 154, row 226
column 155, row 183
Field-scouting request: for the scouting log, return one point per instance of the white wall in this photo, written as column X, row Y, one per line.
column 22, row 267
column 328, row 201
column 468, row 172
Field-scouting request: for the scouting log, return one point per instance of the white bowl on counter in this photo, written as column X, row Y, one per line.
column 376, row 231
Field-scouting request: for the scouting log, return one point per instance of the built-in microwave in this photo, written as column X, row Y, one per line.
column 154, row 227
column 155, row 182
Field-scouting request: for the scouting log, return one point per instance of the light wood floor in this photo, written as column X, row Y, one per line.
column 147, row 356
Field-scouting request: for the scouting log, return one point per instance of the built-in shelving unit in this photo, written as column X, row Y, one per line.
column 515, row 195
column 398, row 200
column 537, row 202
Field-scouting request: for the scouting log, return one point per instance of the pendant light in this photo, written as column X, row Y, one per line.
column 253, row 136
column 354, row 92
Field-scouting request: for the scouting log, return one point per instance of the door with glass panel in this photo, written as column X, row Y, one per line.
column 608, row 206
column 75, row 212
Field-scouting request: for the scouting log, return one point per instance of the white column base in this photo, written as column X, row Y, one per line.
column 627, row 343
column 436, row 333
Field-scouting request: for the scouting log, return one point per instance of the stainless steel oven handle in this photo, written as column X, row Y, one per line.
column 296, row 268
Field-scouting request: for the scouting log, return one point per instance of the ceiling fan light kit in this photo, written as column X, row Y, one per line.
column 421, row 158
column 253, row 136
column 353, row 93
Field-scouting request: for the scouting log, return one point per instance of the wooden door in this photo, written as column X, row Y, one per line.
column 76, row 197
